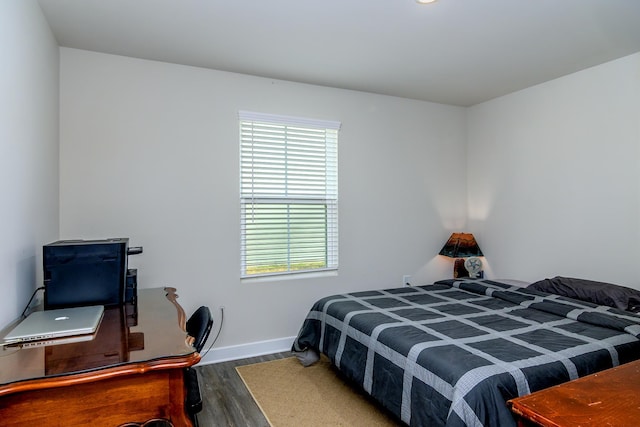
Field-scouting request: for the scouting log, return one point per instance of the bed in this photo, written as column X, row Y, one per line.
column 452, row 353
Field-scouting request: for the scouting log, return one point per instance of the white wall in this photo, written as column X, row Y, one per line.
column 149, row 151
column 28, row 150
column 554, row 177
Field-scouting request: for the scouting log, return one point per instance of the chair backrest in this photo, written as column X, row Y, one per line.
column 199, row 325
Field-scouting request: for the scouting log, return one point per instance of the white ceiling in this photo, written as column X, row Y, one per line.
column 459, row 52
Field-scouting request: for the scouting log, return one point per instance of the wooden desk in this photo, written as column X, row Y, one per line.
column 607, row 398
column 132, row 371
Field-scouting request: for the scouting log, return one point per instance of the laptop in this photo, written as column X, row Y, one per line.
column 52, row 341
column 60, row 323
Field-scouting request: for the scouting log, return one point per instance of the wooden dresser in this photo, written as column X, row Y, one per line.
column 607, row 398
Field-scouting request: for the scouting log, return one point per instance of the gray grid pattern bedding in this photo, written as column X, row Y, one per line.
column 454, row 352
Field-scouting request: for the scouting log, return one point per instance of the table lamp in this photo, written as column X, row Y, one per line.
column 464, row 248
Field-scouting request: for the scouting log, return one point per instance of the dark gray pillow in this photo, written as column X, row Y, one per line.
column 600, row 293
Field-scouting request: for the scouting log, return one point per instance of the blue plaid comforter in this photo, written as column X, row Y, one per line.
column 453, row 353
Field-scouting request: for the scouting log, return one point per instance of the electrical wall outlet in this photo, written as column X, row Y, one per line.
column 406, row 279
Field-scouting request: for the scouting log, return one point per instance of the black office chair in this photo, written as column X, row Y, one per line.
column 198, row 326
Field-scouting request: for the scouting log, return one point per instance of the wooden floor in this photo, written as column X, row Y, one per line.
column 226, row 402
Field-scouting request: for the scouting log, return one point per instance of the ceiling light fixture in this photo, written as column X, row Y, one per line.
column 426, row 1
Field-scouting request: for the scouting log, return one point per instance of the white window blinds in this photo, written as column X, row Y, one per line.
column 289, row 194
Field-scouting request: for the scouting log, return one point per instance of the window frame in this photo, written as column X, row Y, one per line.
column 302, row 191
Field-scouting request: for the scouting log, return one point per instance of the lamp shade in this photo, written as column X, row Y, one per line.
column 461, row 245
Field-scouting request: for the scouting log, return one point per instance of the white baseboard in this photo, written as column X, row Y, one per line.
column 242, row 351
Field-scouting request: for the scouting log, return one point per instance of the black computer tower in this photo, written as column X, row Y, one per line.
column 85, row 272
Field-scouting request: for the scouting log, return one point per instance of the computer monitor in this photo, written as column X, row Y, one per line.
column 85, row 272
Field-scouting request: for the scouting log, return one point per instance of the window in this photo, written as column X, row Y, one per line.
column 289, row 194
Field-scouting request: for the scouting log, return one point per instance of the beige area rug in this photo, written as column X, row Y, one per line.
column 291, row 395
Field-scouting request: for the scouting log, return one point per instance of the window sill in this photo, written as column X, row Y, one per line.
column 289, row 276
